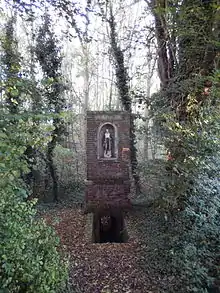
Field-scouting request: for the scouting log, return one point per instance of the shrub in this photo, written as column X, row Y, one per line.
column 29, row 258
column 30, row 261
column 191, row 197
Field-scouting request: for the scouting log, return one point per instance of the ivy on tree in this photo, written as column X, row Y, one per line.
column 49, row 57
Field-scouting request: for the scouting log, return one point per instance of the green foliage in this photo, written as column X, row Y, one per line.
column 194, row 250
column 189, row 192
column 192, row 192
column 49, row 57
column 29, row 257
column 10, row 79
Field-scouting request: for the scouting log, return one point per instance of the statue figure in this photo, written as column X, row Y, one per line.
column 107, row 144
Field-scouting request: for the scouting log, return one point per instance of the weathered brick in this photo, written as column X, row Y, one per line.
column 108, row 179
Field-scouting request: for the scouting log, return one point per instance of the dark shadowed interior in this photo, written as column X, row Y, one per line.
column 109, row 228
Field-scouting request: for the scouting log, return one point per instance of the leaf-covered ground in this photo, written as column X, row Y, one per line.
column 100, row 268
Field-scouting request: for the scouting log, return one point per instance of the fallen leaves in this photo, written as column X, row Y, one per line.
column 98, row 268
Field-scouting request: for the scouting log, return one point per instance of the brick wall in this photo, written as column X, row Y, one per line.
column 108, row 179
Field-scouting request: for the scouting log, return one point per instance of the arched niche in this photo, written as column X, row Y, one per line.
column 107, row 142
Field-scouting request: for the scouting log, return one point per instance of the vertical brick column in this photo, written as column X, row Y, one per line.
column 108, row 179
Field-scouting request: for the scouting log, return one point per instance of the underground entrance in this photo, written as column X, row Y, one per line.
column 109, row 227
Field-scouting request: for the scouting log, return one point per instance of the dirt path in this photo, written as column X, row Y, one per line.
column 99, row 268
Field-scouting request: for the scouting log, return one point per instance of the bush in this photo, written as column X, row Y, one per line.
column 197, row 251
column 29, row 258
column 191, row 194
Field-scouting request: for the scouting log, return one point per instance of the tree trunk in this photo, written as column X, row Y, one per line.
column 146, row 114
column 123, row 88
column 146, row 136
column 194, row 23
column 58, row 130
column 164, row 62
column 52, row 168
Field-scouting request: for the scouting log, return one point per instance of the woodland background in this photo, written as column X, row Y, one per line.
column 158, row 60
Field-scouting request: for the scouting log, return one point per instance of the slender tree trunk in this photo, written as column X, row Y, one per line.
column 52, row 168
column 164, row 66
column 86, row 91
column 48, row 54
column 146, row 114
column 123, row 88
column 86, row 79
column 110, row 95
column 146, row 135
column 58, row 130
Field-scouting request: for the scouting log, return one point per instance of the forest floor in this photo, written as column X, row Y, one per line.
column 110, row 267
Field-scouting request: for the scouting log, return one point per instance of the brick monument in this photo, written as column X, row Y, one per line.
column 108, row 166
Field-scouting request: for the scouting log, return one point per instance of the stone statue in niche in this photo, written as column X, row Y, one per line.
column 107, row 144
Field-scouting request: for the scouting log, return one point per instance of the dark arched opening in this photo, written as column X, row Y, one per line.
column 109, row 228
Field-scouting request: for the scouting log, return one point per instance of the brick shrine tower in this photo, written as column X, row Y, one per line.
column 108, row 167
